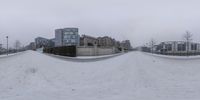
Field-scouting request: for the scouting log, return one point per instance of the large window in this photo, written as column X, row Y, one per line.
column 73, row 36
column 181, row 47
column 71, row 33
column 168, row 47
column 73, row 41
column 66, row 33
column 67, row 36
column 193, row 46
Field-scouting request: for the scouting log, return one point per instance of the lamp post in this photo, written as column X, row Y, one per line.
column 7, row 45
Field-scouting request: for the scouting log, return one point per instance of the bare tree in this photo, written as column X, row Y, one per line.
column 188, row 38
column 17, row 44
column 152, row 44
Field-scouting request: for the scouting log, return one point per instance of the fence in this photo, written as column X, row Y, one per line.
column 63, row 51
column 94, row 51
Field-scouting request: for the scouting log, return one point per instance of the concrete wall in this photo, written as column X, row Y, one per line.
column 105, row 51
column 94, row 51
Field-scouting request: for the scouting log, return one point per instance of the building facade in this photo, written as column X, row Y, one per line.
column 86, row 40
column 31, row 46
column 43, row 42
column 106, row 41
column 67, row 37
column 126, row 45
column 177, row 47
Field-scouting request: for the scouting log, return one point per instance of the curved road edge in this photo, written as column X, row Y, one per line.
column 173, row 57
column 10, row 55
column 77, row 59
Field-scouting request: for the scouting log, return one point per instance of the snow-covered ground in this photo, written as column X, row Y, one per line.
column 9, row 55
column 175, row 57
column 132, row 76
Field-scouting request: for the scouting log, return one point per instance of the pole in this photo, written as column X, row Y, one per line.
column 7, row 45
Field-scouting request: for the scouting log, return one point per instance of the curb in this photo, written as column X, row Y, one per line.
column 75, row 59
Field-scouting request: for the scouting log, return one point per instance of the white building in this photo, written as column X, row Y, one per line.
column 43, row 42
column 67, row 37
column 177, row 47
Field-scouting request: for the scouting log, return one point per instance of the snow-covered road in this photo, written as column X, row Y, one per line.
column 133, row 76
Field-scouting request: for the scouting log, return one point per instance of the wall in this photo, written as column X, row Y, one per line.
column 94, row 51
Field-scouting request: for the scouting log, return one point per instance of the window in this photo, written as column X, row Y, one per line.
column 66, row 41
column 193, row 46
column 73, row 36
column 66, row 33
column 71, row 32
column 73, row 41
column 181, row 47
column 67, row 36
column 169, row 47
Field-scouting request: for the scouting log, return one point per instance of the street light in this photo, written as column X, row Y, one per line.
column 7, row 45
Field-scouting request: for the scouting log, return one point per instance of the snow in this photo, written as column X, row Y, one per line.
column 176, row 57
column 9, row 55
column 132, row 76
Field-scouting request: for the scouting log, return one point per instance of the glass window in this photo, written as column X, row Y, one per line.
column 169, row 47
column 71, row 33
column 193, row 46
column 73, row 37
column 66, row 33
column 67, row 36
column 73, row 41
column 181, row 47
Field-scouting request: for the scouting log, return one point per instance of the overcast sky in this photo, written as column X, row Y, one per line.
column 136, row 20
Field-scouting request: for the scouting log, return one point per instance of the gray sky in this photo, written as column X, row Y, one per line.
column 136, row 20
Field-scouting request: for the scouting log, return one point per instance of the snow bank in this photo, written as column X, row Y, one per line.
column 9, row 55
column 174, row 57
column 102, row 56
